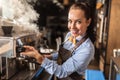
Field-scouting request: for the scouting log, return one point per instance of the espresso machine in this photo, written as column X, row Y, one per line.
column 11, row 61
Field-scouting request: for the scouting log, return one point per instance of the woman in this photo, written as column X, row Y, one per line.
column 81, row 50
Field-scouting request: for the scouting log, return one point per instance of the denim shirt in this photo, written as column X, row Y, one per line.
column 78, row 62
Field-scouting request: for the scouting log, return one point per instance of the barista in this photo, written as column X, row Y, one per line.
column 77, row 50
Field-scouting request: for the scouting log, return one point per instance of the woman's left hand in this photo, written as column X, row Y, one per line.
column 32, row 52
column 29, row 51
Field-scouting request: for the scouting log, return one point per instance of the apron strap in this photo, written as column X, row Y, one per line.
column 79, row 43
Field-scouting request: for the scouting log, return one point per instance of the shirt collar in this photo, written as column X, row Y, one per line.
column 78, row 38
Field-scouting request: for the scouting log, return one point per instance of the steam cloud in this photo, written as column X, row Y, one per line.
column 21, row 12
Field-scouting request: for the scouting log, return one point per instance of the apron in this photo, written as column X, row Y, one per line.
column 64, row 54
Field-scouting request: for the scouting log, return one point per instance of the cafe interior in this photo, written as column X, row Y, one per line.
column 43, row 24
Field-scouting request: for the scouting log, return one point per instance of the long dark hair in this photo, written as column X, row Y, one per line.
column 88, row 14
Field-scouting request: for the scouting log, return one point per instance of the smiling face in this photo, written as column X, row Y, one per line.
column 77, row 22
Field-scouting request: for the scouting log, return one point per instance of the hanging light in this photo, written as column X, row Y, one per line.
column 55, row 1
column 99, row 4
column 65, row 2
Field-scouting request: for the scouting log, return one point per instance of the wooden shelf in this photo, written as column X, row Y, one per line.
column 107, row 32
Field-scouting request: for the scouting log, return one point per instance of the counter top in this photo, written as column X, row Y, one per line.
column 28, row 75
column 23, row 75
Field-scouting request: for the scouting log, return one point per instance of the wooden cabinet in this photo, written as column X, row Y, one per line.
column 108, row 30
column 114, row 30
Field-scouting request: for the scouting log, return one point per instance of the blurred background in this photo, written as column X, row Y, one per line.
column 43, row 24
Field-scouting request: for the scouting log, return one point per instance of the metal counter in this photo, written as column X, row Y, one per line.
column 23, row 75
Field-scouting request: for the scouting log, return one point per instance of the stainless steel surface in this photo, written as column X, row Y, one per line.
column 8, row 67
column 6, row 47
column 10, row 61
column 23, row 75
column 8, row 44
